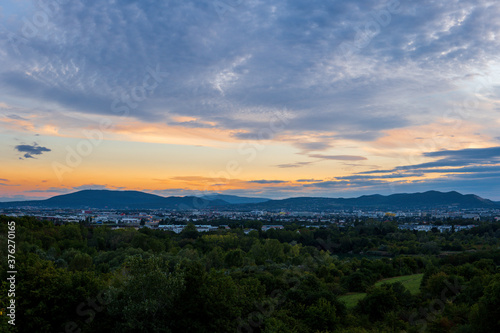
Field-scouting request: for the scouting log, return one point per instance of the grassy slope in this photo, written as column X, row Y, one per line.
column 411, row 282
column 351, row 299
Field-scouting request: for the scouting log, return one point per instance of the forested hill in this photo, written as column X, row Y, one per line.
column 138, row 200
column 118, row 200
column 369, row 277
column 426, row 200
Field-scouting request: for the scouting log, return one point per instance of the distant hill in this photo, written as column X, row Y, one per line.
column 426, row 200
column 118, row 200
column 137, row 200
column 234, row 199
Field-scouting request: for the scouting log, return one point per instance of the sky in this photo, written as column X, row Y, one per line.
column 259, row 98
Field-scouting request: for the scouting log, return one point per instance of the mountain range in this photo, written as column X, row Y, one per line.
column 140, row 200
column 115, row 199
column 425, row 200
column 234, row 199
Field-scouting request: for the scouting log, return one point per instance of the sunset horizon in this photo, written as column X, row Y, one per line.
column 302, row 166
column 217, row 195
column 388, row 99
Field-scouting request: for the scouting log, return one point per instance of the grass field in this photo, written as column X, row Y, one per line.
column 411, row 282
column 351, row 299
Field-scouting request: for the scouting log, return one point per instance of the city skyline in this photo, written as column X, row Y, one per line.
column 276, row 99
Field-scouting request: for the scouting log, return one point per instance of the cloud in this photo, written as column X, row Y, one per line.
column 293, row 165
column 96, row 187
column 312, row 146
column 92, row 60
column 338, row 157
column 354, row 186
column 391, row 176
column 466, row 168
column 322, row 157
column 18, row 197
column 96, row 54
column 263, row 181
column 15, row 117
column 477, row 169
column 60, row 190
column 3, row 182
column 195, row 179
column 31, row 150
column 474, row 169
column 64, row 190
column 450, row 158
column 192, row 124
column 328, row 184
column 482, row 154
column 174, row 192
column 307, row 180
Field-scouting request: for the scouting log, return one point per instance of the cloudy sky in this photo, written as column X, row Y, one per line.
column 267, row 98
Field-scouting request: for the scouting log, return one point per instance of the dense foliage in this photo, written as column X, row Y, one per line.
column 77, row 278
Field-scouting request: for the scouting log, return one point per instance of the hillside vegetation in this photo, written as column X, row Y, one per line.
column 94, row 279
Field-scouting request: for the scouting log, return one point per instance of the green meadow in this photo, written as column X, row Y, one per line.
column 411, row 282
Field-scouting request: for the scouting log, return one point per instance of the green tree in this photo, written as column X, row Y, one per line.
column 485, row 315
column 144, row 299
column 234, row 258
column 189, row 232
column 81, row 262
column 48, row 297
column 381, row 300
column 321, row 315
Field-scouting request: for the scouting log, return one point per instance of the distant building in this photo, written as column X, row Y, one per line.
column 130, row 220
column 267, row 227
